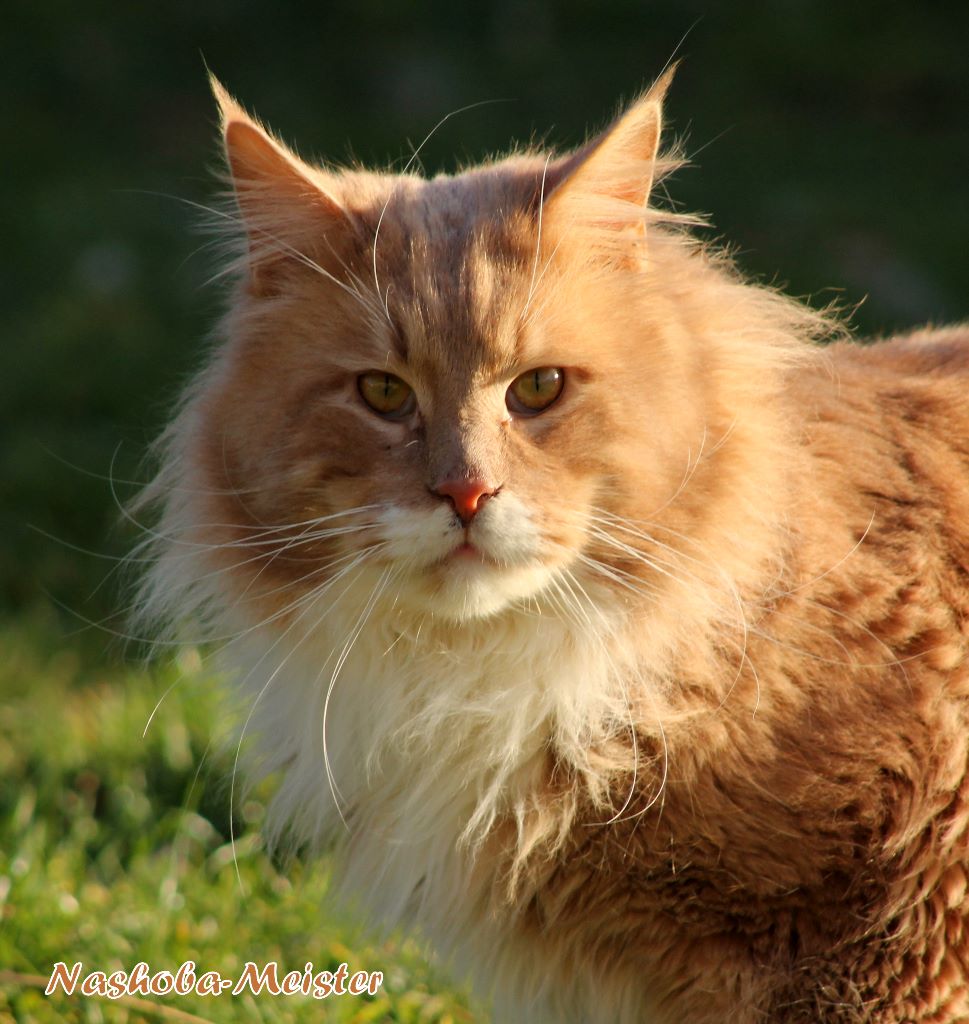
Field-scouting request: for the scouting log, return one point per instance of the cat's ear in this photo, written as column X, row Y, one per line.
column 602, row 189
column 285, row 206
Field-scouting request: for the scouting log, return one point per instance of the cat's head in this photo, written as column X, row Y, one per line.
column 457, row 386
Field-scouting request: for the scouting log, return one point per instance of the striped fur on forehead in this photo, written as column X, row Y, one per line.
column 458, row 306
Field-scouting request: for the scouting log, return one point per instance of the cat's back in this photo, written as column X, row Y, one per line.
column 885, row 428
column 936, row 353
column 903, row 403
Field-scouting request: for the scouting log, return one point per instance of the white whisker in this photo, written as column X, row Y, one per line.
column 355, row 631
column 314, row 597
column 538, row 240
column 403, row 172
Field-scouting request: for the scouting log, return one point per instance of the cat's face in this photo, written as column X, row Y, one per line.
column 437, row 382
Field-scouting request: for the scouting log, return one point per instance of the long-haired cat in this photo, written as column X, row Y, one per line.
column 610, row 629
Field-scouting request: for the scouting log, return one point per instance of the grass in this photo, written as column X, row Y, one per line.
column 114, row 849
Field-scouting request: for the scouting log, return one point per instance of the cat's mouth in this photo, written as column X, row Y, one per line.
column 464, row 574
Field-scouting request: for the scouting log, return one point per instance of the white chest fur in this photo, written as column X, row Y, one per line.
column 405, row 739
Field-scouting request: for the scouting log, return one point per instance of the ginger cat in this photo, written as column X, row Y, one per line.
column 611, row 630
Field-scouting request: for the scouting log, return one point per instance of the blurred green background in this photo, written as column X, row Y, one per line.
column 830, row 145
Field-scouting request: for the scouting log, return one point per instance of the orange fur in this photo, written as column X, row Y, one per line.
column 686, row 739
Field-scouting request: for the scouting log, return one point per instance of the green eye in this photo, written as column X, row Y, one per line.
column 386, row 394
column 535, row 391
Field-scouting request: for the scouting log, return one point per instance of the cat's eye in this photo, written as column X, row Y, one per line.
column 535, row 391
column 386, row 394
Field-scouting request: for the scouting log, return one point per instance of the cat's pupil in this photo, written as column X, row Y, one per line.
column 386, row 394
column 533, row 392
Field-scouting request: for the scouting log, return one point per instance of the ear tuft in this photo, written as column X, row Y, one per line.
column 254, row 156
column 228, row 108
column 658, row 90
column 605, row 185
column 287, row 206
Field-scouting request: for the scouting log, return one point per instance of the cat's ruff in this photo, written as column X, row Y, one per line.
column 673, row 726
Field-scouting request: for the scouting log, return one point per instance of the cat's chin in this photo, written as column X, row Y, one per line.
column 465, row 587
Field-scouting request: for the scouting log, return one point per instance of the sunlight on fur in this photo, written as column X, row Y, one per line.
column 609, row 628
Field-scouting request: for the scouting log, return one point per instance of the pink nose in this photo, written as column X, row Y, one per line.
column 467, row 496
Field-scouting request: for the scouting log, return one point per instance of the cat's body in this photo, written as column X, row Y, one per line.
column 648, row 703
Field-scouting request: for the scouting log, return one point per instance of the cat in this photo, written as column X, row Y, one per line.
column 608, row 627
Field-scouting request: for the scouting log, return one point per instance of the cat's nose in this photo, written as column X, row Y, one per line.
column 466, row 496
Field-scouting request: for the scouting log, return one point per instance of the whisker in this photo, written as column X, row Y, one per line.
column 599, row 639
column 355, row 632
column 617, row 675
column 225, row 638
column 173, row 489
column 158, row 704
column 675, row 569
column 269, row 681
column 844, row 558
column 538, row 309
column 318, row 568
column 253, row 537
column 538, row 240
column 278, row 244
